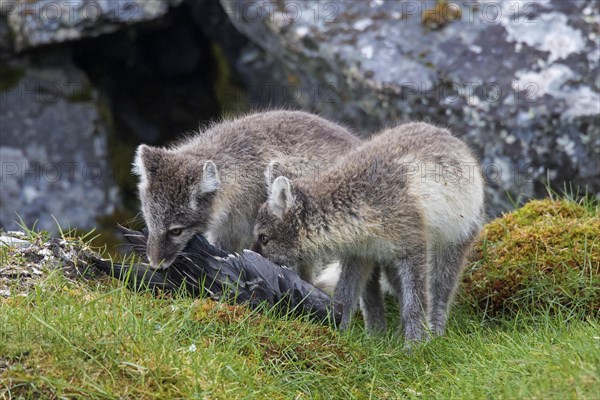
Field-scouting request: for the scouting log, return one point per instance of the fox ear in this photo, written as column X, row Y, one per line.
column 281, row 198
column 210, row 178
column 271, row 172
column 146, row 162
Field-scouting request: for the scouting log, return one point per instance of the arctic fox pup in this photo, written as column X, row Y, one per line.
column 408, row 202
column 213, row 184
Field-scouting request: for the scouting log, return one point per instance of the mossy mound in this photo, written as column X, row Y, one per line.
column 540, row 258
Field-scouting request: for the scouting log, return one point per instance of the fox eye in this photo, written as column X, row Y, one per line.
column 175, row 231
column 264, row 239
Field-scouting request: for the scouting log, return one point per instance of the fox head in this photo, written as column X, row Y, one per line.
column 177, row 193
column 276, row 232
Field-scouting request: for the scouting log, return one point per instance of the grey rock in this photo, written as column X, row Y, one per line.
column 42, row 22
column 53, row 149
column 517, row 80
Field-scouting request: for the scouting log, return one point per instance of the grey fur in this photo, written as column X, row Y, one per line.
column 447, row 265
column 212, row 183
column 371, row 303
column 408, row 202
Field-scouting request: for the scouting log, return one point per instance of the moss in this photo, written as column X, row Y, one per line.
column 86, row 94
column 542, row 257
column 10, row 77
column 121, row 151
column 232, row 98
column 442, row 13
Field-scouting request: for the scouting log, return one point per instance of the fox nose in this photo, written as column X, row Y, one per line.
column 159, row 253
column 256, row 247
column 153, row 253
column 158, row 263
column 154, row 261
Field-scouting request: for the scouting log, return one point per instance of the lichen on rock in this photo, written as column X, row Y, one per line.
column 42, row 22
column 53, row 151
column 517, row 80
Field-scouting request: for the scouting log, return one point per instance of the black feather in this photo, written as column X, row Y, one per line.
column 246, row 278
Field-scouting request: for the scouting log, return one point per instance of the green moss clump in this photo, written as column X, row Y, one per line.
column 441, row 14
column 84, row 95
column 541, row 258
column 10, row 77
column 230, row 95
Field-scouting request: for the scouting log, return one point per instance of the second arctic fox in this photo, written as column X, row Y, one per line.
column 408, row 202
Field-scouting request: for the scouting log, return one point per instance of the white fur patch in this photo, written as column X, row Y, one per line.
column 451, row 206
column 281, row 198
column 328, row 278
column 210, row 178
column 137, row 167
column 269, row 175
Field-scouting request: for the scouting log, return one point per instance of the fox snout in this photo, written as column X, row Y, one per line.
column 256, row 247
column 156, row 263
column 157, row 255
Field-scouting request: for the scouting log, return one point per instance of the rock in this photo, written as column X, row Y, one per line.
column 53, row 154
column 41, row 22
column 517, row 80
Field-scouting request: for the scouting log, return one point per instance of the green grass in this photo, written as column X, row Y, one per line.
column 95, row 339
column 101, row 341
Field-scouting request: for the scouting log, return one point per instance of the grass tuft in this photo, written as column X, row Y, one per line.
column 543, row 257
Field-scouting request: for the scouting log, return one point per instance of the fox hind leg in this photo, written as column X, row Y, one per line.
column 354, row 275
column 371, row 303
column 408, row 278
column 447, row 265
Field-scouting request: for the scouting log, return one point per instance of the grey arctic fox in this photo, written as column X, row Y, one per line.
column 408, row 202
column 212, row 183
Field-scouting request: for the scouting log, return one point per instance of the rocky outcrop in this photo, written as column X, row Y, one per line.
column 517, row 80
column 41, row 22
column 53, row 153
column 72, row 113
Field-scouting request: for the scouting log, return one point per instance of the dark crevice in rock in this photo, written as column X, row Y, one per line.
column 158, row 80
column 151, row 82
